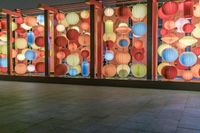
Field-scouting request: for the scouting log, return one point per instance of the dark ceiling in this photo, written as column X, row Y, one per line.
column 26, row 4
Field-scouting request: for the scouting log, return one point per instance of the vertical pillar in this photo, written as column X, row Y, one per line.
column 9, row 44
column 92, row 41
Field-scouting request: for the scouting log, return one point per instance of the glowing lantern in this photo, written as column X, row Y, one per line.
column 180, row 23
column 188, row 9
column 85, row 53
column 122, row 57
column 60, row 16
column 30, row 21
column 109, row 26
column 138, row 44
column 139, row 29
column 124, row 13
column 123, row 70
column 72, row 18
column 73, row 60
column 26, row 27
column 39, row 41
column 20, row 68
column 30, row 37
column 196, row 31
column 139, row 56
column 109, row 55
column 72, row 34
column 14, row 26
column 60, row 55
column 84, row 40
column 162, row 47
column 30, row 55
column 4, row 49
column 188, row 28
column 85, row 26
column 60, row 41
column 139, row 11
column 160, row 67
column 30, row 68
column 109, row 70
column 169, row 72
column 170, row 54
column 60, row 28
column 195, row 70
column 163, row 32
column 85, row 68
column 188, row 40
column 123, row 28
column 40, row 67
column 196, row 11
column 139, row 70
column 60, row 69
column 108, row 12
column 162, row 15
column 187, row 75
column 20, row 57
column 20, row 43
column 3, row 38
column 73, row 72
column 109, row 36
column 123, row 42
column 169, row 25
column 170, row 38
column 188, row 59
column 85, row 14
column 3, row 62
column 40, row 19
column 170, row 8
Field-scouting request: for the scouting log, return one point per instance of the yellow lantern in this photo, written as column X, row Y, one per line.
column 139, row 11
column 14, row 26
column 108, row 12
column 110, row 36
column 4, row 49
column 109, row 26
column 188, row 40
column 196, row 31
column 123, row 70
column 85, row 14
column 163, row 47
column 160, row 67
column 72, row 18
column 73, row 59
column 21, row 43
column 139, row 70
column 171, row 38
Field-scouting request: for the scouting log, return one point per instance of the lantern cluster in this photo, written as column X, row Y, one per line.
column 180, row 33
column 72, row 44
column 125, row 42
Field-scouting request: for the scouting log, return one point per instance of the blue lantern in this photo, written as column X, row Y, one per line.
column 30, row 38
column 3, row 62
column 40, row 19
column 188, row 59
column 123, row 43
column 109, row 55
column 139, row 29
column 30, row 55
column 170, row 54
column 73, row 72
column 85, row 68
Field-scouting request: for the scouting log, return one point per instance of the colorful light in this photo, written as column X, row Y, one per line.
column 139, row 70
column 170, row 54
column 72, row 18
column 139, row 11
column 188, row 59
column 139, row 29
column 109, row 12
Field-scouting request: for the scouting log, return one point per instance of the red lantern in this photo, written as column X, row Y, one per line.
column 109, row 44
column 188, row 8
column 39, row 41
column 60, row 16
column 19, row 20
column 162, row 15
column 139, row 56
column 124, row 13
column 188, row 28
column 170, row 8
column 179, row 66
column 196, row 51
column 72, row 34
column 138, row 44
column 85, row 53
column 3, row 24
column 61, row 41
column 169, row 72
column 135, row 51
column 163, row 32
column 40, row 67
column 60, row 69
column 187, row 75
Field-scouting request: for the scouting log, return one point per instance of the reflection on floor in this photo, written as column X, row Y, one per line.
column 53, row 108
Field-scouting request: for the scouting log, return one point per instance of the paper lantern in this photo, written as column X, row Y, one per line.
column 160, row 67
column 60, row 41
column 19, row 20
column 139, row 29
column 122, row 57
column 60, row 28
column 163, row 47
column 124, row 13
column 72, row 47
column 195, row 70
column 139, row 56
column 188, row 28
column 109, row 26
column 14, row 26
column 196, row 31
column 196, row 11
column 139, row 70
column 109, row 55
column 108, row 12
column 40, row 19
column 109, row 36
column 60, row 69
column 135, row 51
column 188, row 59
column 188, row 9
column 21, row 57
column 170, row 8
column 84, row 40
column 30, row 68
column 20, row 68
column 169, row 72
column 139, row 11
column 72, row 34
column 30, row 21
column 85, row 68
column 72, row 18
column 169, row 25
column 123, row 42
column 180, row 23
column 170, row 54
column 60, row 16
column 187, row 75
column 20, row 43
column 163, row 32
column 188, row 40
column 109, row 70
column 162, row 15
column 30, row 55
column 85, row 53
column 196, row 50
column 179, row 65
column 170, row 38
column 73, row 72
column 85, row 14
column 123, row 70
column 3, row 62
column 30, row 38
column 85, row 26
column 123, row 29
column 60, row 55
column 73, row 59
column 40, row 67
column 138, row 44
column 39, row 41
column 4, row 49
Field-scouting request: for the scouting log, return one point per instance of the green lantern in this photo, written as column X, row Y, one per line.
column 139, row 70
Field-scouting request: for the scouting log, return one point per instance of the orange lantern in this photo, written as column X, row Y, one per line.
column 122, row 57
column 85, row 26
column 138, row 44
column 84, row 40
column 60, row 16
column 187, row 75
column 60, row 55
column 109, row 70
column 20, row 68
column 30, row 21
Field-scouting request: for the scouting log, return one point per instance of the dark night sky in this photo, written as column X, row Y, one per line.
column 25, row 4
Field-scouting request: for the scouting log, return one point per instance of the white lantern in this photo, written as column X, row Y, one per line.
column 30, row 68
column 60, row 28
column 180, row 23
column 85, row 14
column 73, row 59
column 109, row 12
column 72, row 18
column 20, row 57
column 139, row 11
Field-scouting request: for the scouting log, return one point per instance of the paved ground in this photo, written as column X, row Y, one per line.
column 52, row 108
